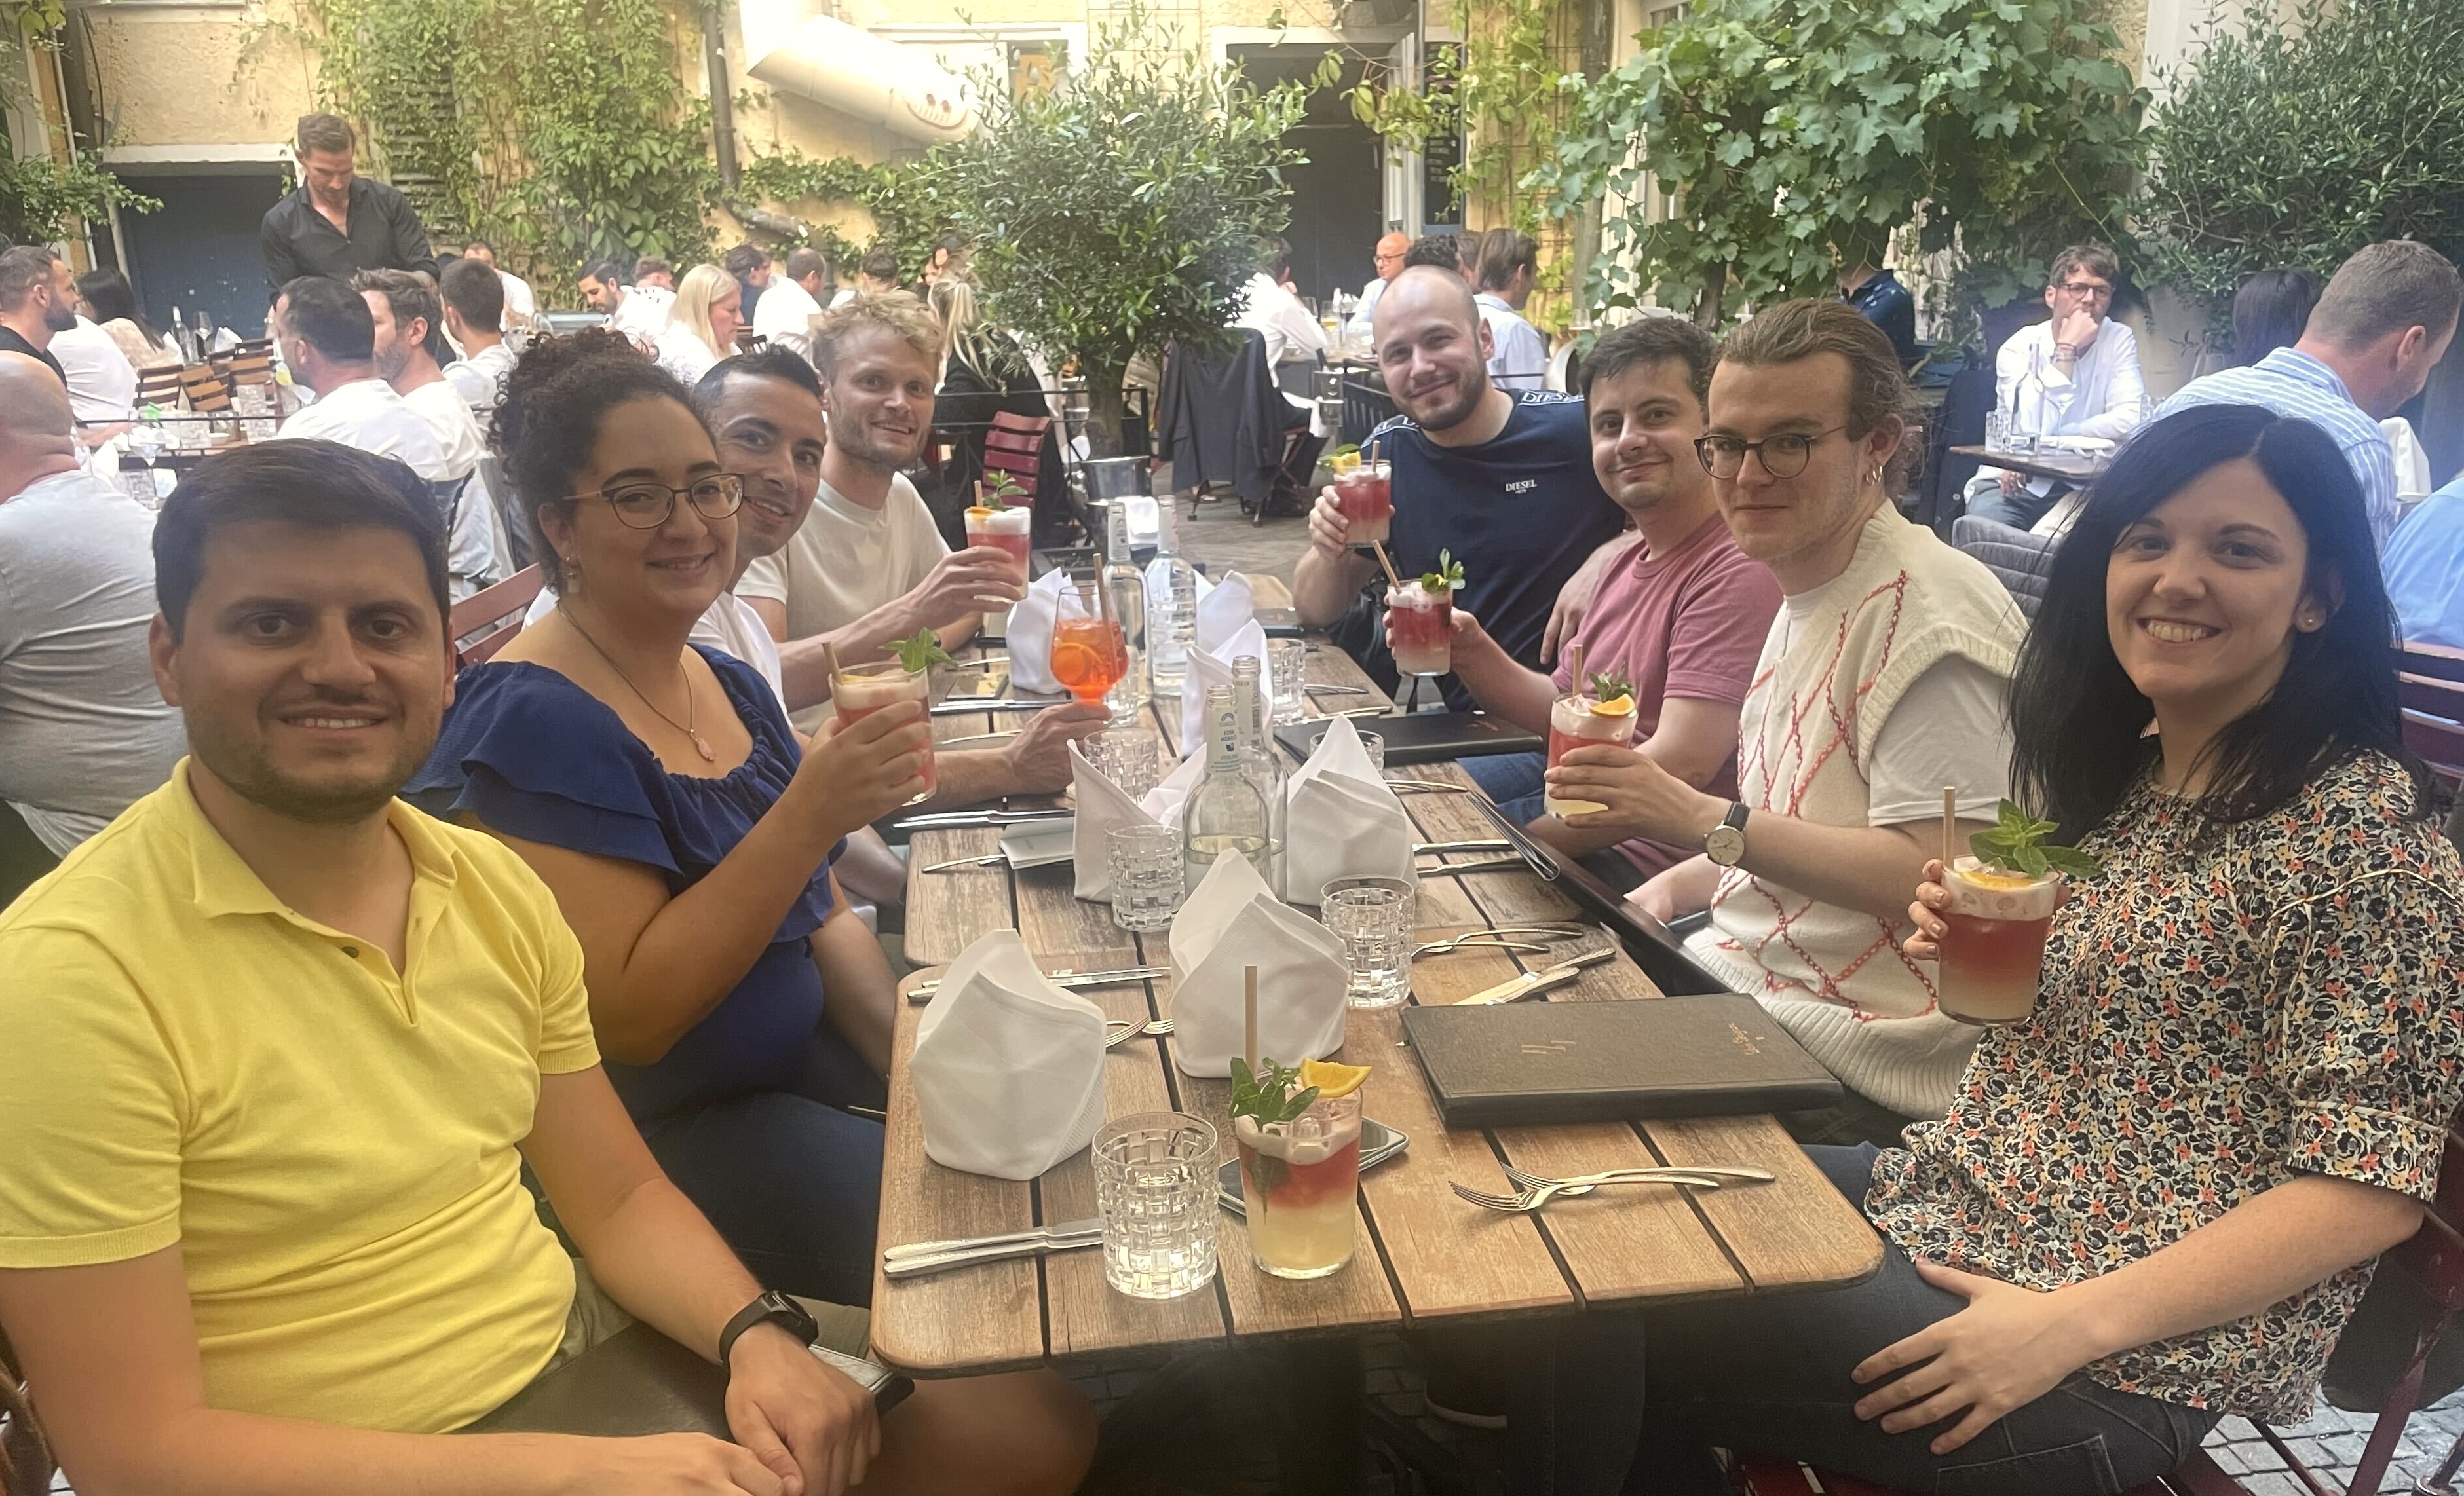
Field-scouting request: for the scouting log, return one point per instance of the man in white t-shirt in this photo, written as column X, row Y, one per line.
column 404, row 312
column 785, row 315
column 327, row 339
column 1508, row 261
column 638, row 312
column 521, row 305
column 475, row 305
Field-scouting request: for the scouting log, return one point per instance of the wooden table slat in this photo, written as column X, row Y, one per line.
column 946, row 910
column 1795, row 1233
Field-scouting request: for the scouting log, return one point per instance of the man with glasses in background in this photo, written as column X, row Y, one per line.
column 1881, row 681
column 1388, row 254
column 2087, row 381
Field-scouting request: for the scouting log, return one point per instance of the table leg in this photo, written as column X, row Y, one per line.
column 1319, row 1437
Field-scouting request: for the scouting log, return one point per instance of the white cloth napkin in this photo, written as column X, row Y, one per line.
column 1232, row 921
column 1103, row 804
column 1208, row 668
column 1030, row 632
column 1224, row 609
column 1342, row 821
column 1008, row 1068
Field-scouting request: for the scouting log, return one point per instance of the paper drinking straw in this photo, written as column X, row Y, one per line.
column 1949, row 824
column 1250, row 1015
column 1574, row 667
column 1383, row 559
column 830, row 657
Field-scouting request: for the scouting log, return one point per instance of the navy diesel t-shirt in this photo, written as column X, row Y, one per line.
column 1522, row 512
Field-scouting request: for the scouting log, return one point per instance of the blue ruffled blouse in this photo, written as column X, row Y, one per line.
column 532, row 755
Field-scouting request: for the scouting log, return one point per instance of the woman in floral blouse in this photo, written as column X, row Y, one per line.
column 2158, row 1200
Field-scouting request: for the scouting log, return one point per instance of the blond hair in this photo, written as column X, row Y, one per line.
column 897, row 313
column 694, row 293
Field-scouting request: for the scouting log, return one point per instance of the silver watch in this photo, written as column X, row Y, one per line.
column 1724, row 843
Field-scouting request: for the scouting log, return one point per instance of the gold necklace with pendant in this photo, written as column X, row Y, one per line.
column 686, row 726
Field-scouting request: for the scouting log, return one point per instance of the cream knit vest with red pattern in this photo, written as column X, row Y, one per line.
column 1833, row 977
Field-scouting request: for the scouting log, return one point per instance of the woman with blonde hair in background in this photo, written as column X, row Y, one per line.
column 701, row 326
column 984, row 372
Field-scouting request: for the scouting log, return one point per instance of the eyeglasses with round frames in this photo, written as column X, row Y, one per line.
column 1783, row 456
column 2091, row 291
column 646, row 506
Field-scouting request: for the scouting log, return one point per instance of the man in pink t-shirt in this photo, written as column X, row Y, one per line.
column 1681, row 613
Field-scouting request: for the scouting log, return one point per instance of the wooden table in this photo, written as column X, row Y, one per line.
column 2078, row 469
column 1424, row 1256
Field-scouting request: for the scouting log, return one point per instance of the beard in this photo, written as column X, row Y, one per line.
column 391, row 359
column 239, row 760
column 1456, row 408
column 863, row 444
column 59, row 319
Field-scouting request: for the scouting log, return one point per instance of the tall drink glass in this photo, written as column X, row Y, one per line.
column 1089, row 652
column 1004, row 530
column 1300, row 1185
column 862, row 690
column 1993, row 946
column 1421, row 624
column 1365, row 494
column 1581, row 721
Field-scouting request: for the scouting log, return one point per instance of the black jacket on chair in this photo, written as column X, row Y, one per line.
column 1219, row 418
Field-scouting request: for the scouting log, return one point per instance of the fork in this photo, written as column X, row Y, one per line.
column 1525, row 1200
column 1730, row 1173
column 1129, row 1030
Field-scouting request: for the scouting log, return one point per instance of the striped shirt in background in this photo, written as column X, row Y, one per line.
column 2293, row 383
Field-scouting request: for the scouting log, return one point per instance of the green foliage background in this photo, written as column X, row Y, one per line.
column 904, row 215
column 42, row 200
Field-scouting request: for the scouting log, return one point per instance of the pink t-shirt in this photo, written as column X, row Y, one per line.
column 1690, row 623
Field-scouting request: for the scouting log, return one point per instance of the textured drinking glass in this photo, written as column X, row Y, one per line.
column 1997, row 431
column 1148, row 879
column 1376, row 747
column 1301, row 1184
column 1128, row 757
column 1287, row 667
column 1154, row 1181
column 1375, row 919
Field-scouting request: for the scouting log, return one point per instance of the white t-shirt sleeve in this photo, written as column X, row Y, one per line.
column 766, row 577
column 1952, row 726
column 920, row 539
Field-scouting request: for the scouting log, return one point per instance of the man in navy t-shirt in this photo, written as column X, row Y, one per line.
column 1502, row 479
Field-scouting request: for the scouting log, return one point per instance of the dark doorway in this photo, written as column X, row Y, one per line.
column 200, row 250
column 1338, row 195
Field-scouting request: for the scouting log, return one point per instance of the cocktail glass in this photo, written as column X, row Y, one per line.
column 1089, row 652
column 1421, row 626
column 1004, row 530
column 1579, row 721
column 1301, row 1184
column 862, row 690
column 1365, row 494
column 1994, row 948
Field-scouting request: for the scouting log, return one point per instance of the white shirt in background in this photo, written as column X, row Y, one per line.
column 729, row 625
column 841, row 297
column 475, row 547
column 681, row 352
column 520, row 306
column 643, row 315
column 2102, row 394
column 1292, row 336
column 843, row 561
column 1359, row 326
column 102, row 384
column 366, row 413
column 784, row 316
column 479, row 379
column 1518, row 355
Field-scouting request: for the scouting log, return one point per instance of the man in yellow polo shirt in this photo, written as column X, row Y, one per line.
column 274, row 1047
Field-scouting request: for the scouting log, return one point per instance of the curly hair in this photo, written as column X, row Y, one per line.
column 557, row 396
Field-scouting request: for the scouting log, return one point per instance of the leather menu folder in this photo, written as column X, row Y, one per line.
column 1545, row 1063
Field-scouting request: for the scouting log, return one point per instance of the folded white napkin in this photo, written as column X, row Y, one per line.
column 1232, row 921
column 1208, row 668
column 1030, row 632
column 1008, row 1068
column 1342, row 821
column 1103, row 804
column 1222, row 609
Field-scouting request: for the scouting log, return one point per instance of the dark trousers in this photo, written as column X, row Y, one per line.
column 1603, row 1403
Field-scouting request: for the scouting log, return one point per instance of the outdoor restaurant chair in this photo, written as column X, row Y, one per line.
column 488, row 619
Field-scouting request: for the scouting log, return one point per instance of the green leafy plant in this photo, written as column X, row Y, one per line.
column 904, row 215
column 922, row 652
column 41, row 197
column 2017, row 844
column 1119, row 211
column 1611, row 685
column 1448, row 576
column 2295, row 141
column 1756, row 143
column 1273, row 1096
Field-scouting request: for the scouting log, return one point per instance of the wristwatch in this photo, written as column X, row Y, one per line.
column 1724, row 843
column 771, row 1308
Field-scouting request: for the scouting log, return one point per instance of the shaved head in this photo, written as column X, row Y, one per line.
column 1425, row 288
column 37, row 428
column 1432, row 347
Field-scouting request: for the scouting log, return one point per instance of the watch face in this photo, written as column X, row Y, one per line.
column 1725, row 845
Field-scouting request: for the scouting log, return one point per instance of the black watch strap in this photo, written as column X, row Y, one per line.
column 771, row 1308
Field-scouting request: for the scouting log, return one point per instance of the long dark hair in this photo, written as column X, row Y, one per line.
column 107, row 291
column 2270, row 310
column 2076, row 716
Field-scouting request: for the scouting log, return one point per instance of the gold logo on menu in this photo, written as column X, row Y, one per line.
column 1742, row 1039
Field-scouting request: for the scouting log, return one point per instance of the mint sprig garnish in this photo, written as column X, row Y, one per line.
column 1271, row 1097
column 1610, row 685
column 2017, row 844
column 1447, row 577
column 922, row 652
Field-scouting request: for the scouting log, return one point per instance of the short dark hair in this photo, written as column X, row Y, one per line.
column 651, row 265
column 1878, row 387
column 1502, row 253
column 2386, row 288
column 744, row 259
column 319, row 485
column 769, row 363
column 805, row 261
column 1436, row 250
column 475, row 290
column 881, row 263
column 411, row 296
column 2096, row 260
column 22, row 269
column 331, row 317
column 1274, row 256
column 476, row 243
column 324, row 132
column 556, row 396
column 2077, row 719
column 2269, row 311
column 1654, row 339
column 604, row 271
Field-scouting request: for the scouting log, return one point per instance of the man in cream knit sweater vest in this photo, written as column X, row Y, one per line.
column 1882, row 682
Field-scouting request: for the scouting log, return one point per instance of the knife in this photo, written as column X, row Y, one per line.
column 922, row 993
column 918, row 1266
column 969, row 1243
column 1530, row 984
column 952, row 820
column 961, row 705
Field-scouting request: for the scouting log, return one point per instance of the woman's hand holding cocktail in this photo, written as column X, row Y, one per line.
column 865, row 769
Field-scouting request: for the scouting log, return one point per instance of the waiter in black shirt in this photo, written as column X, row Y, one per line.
column 37, row 300
column 338, row 222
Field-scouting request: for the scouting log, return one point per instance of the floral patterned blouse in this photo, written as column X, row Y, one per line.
column 2224, row 1007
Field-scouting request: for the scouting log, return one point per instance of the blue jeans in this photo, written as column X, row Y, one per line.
column 2019, row 511
column 1770, row 1376
column 1513, row 780
column 792, row 1182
